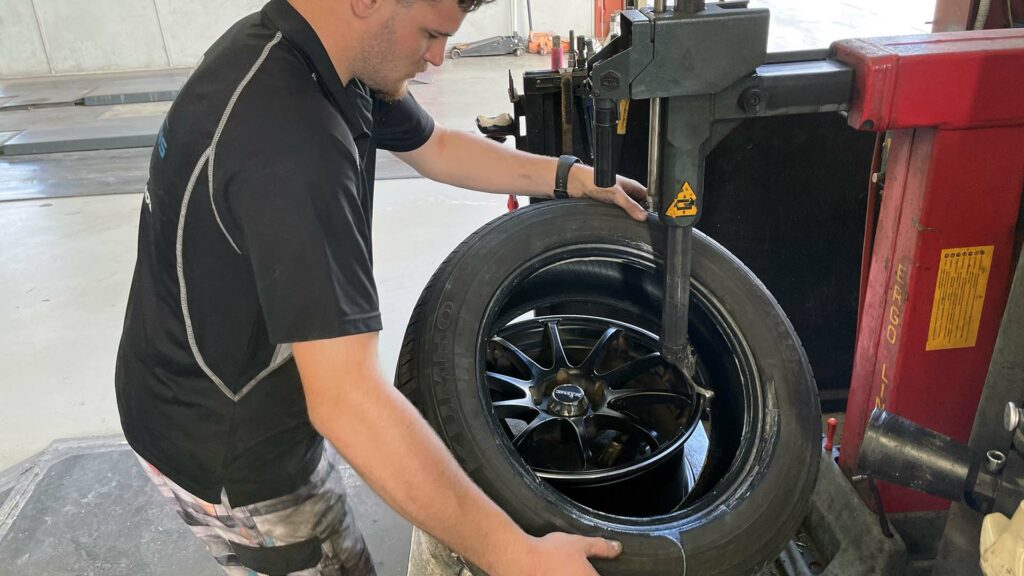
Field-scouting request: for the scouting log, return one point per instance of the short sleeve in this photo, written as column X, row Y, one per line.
column 306, row 232
column 401, row 126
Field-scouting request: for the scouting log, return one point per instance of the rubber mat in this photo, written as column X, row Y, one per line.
column 74, row 174
column 56, row 95
column 104, row 172
column 5, row 136
column 135, row 91
column 95, row 513
column 131, row 132
column 85, row 507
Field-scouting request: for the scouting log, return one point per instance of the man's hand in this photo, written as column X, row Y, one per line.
column 625, row 194
column 562, row 554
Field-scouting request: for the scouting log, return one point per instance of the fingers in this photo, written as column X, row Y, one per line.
column 622, row 200
column 636, row 190
column 602, row 548
column 617, row 195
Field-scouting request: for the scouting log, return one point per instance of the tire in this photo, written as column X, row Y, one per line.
column 764, row 437
column 456, row 54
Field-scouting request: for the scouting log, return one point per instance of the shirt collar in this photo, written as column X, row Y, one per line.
column 352, row 100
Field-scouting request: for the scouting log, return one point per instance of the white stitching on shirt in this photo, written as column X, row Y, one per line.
column 224, row 121
column 283, row 352
column 181, row 277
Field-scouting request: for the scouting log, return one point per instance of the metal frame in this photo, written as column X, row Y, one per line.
column 660, row 55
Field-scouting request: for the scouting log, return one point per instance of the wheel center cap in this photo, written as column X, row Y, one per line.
column 568, row 400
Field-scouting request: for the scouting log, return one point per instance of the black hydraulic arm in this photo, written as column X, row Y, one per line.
column 704, row 68
column 605, row 118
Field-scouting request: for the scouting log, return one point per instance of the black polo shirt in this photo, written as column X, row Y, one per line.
column 254, row 233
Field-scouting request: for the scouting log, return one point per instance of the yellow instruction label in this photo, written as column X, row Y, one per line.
column 685, row 203
column 959, row 297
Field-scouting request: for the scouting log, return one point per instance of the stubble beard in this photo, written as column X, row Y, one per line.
column 391, row 94
column 376, row 66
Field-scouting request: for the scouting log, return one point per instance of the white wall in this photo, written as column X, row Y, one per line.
column 556, row 16
column 560, row 16
column 42, row 37
column 190, row 26
column 100, row 35
column 21, row 46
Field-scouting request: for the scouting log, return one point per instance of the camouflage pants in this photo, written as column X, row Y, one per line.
column 310, row 532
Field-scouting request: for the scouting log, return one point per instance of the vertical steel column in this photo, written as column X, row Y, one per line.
column 654, row 157
column 685, row 129
column 675, row 316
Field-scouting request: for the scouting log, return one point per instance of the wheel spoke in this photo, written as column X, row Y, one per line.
column 522, row 409
column 525, row 361
column 600, row 350
column 623, row 374
column 647, row 397
column 583, row 436
column 632, row 424
column 540, row 420
column 558, row 357
column 510, row 384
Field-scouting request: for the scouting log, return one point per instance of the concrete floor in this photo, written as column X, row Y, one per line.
column 66, row 263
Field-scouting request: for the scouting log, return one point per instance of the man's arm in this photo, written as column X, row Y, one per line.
column 393, row 448
column 470, row 161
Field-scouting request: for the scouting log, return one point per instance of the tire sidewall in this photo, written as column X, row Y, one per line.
column 772, row 496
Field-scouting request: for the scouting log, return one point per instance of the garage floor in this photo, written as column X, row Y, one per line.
column 65, row 268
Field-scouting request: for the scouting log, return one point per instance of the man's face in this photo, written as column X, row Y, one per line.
column 406, row 39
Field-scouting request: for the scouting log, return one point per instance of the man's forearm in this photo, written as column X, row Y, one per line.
column 390, row 445
column 470, row 161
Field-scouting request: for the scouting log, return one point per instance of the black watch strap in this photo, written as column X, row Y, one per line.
column 562, row 175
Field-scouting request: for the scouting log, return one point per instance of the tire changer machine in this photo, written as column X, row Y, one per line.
column 931, row 346
column 938, row 364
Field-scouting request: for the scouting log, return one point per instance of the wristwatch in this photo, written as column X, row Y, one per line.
column 562, row 175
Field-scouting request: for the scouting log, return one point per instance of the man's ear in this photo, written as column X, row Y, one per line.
column 366, row 8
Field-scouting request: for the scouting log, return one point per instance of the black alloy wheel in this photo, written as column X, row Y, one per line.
column 533, row 353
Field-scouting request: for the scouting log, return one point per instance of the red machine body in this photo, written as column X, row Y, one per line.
column 947, row 228
column 604, row 10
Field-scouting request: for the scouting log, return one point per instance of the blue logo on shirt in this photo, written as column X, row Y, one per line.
column 161, row 144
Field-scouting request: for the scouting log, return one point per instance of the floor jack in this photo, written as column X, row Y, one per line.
column 497, row 45
column 493, row 46
column 941, row 251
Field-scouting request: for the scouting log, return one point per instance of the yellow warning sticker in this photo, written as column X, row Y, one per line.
column 685, row 203
column 959, row 297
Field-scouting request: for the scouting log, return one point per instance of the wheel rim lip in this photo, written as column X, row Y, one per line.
column 637, row 254
column 664, row 453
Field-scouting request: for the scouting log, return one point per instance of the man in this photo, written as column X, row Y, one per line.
column 251, row 329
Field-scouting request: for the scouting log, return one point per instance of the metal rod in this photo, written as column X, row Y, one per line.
column 654, row 158
column 572, row 49
column 659, row 5
column 676, row 311
column 605, row 112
